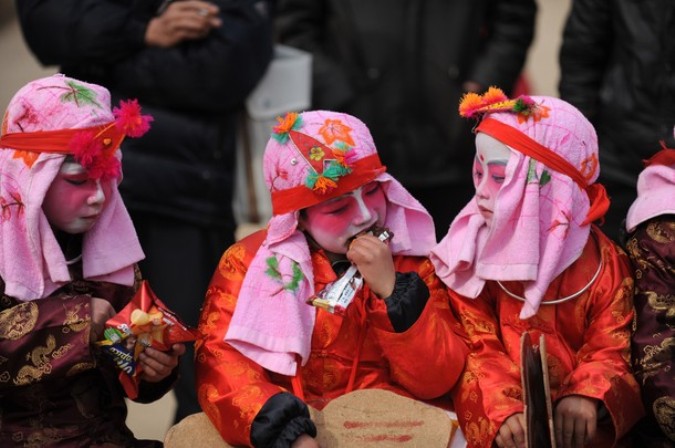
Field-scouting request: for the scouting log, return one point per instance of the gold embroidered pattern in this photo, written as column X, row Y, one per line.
column 41, row 366
column 477, row 432
column 661, row 232
column 475, row 325
column 232, row 257
column 656, row 358
column 660, row 302
column 208, row 394
column 61, row 351
column 248, row 402
column 80, row 367
column 73, row 320
column 17, row 321
column 664, row 411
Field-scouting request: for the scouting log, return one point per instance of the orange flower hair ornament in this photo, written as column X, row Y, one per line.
column 473, row 105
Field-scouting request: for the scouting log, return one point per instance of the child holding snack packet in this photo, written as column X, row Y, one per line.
column 524, row 256
column 264, row 352
column 67, row 265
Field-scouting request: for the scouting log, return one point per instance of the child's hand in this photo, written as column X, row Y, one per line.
column 101, row 310
column 575, row 421
column 305, row 441
column 373, row 259
column 512, row 432
column 158, row 365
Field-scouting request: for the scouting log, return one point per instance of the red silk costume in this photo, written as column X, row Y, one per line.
column 587, row 341
column 424, row 361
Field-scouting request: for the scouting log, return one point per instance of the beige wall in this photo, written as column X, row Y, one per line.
column 542, row 63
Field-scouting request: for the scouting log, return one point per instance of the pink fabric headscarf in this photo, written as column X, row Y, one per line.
column 272, row 323
column 538, row 227
column 656, row 190
column 32, row 263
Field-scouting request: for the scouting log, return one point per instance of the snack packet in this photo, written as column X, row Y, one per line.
column 338, row 295
column 144, row 322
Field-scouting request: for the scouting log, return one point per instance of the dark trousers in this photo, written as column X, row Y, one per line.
column 180, row 259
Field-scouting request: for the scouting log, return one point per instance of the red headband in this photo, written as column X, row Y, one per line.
column 363, row 171
column 92, row 147
column 514, row 138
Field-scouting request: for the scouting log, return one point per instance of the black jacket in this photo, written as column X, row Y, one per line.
column 183, row 168
column 618, row 67
column 400, row 65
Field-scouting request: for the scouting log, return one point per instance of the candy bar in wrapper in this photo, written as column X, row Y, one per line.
column 144, row 322
column 336, row 296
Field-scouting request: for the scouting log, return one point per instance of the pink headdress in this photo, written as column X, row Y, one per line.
column 655, row 185
column 46, row 120
column 549, row 191
column 311, row 157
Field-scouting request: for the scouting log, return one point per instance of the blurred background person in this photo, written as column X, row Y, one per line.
column 401, row 68
column 617, row 65
column 190, row 63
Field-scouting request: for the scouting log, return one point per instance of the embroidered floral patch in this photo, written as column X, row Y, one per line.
column 274, row 271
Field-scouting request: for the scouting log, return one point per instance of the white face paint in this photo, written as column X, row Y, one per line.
column 73, row 201
column 332, row 224
column 489, row 171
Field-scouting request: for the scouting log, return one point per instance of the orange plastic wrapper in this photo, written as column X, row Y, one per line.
column 144, row 322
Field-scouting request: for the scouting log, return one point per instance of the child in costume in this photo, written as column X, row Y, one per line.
column 264, row 352
column 524, row 256
column 651, row 247
column 68, row 252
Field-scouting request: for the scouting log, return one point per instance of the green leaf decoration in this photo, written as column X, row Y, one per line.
column 273, row 268
column 80, row 95
column 334, row 170
column 545, row 178
column 342, row 146
column 295, row 280
column 281, row 138
column 522, row 107
column 311, row 179
column 298, row 123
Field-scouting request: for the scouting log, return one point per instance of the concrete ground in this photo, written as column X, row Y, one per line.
column 18, row 66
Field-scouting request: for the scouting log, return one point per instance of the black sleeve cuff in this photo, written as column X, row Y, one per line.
column 406, row 303
column 281, row 420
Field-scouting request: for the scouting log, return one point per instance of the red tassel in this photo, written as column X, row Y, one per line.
column 129, row 120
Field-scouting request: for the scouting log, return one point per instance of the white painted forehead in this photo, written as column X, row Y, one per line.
column 491, row 148
column 356, row 192
column 71, row 167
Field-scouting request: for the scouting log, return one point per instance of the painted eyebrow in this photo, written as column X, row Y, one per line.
column 346, row 195
column 498, row 162
column 339, row 198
